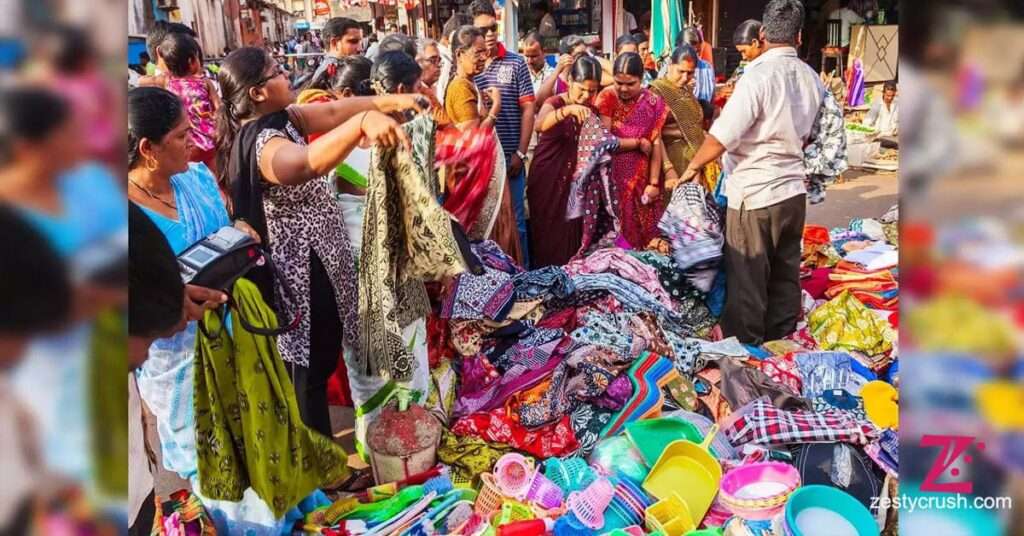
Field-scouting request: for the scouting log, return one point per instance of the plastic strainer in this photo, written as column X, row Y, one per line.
column 589, row 505
column 543, row 492
column 512, row 472
column 570, row 474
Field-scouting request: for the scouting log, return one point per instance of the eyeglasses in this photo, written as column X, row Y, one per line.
column 433, row 60
column 489, row 29
column 278, row 70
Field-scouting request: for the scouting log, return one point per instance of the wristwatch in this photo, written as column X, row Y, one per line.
column 522, row 156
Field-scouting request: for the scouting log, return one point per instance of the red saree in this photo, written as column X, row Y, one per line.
column 642, row 118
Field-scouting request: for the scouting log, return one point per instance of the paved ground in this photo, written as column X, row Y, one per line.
column 862, row 194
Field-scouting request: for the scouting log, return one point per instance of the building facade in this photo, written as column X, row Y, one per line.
column 220, row 24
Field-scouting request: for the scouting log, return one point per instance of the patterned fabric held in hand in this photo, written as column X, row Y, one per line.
column 692, row 224
column 825, row 154
column 407, row 239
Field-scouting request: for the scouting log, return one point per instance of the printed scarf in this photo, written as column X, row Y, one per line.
column 407, row 239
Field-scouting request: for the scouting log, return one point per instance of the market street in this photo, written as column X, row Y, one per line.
column 863, row 194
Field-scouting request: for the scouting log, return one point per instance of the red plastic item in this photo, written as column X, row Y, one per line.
column 532, row 527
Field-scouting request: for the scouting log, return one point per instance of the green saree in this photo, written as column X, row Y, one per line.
column 248, row 429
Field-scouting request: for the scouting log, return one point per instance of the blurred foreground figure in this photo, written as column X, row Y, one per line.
column 35, row 296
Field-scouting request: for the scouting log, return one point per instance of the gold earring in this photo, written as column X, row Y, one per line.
column 151, row 164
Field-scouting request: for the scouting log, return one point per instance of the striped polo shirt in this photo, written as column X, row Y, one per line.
column 508, row 71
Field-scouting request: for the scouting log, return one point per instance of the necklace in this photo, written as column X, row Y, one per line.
column 171, row 206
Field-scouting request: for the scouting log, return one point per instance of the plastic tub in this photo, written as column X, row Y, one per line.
column 758, row 491
column 826, row 511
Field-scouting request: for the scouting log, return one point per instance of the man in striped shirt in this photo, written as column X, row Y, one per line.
column 508, row 72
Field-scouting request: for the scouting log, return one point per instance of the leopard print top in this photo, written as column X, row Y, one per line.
column 303, row 220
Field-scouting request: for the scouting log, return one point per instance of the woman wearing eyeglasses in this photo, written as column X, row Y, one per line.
column 278, row 186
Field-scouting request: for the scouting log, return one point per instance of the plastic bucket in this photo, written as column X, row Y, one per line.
column 388, row 468
column 826, row 511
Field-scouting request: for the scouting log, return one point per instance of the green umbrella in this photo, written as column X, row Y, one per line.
column 667, row 21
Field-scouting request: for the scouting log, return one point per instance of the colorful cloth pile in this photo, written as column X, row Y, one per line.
column 572, row 367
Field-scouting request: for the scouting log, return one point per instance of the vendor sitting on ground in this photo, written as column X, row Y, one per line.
column 884, row 114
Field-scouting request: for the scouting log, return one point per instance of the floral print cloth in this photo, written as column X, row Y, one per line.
column 846, row 324
column 825, row 154
column 587, row 423
column 555, row 439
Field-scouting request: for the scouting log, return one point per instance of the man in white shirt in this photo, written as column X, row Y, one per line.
column 762, row 131
column 884, row 114
column 849, row 17
column 536, row 61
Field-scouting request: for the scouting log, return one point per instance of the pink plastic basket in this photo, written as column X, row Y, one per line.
column 543, row 492
column 589, row 505
column 512, row 473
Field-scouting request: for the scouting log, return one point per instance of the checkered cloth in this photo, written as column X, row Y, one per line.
column 693, row 226
column 595, row 146
column 764, row 424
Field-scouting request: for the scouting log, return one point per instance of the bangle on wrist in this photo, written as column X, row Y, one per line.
column 363, row 120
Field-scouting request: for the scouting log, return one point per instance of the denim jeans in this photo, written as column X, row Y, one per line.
column 517, row 185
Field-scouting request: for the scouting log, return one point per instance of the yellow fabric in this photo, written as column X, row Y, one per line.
column 846, row 324
column 881, row 404
column 460, row 101
column 682, row 141
column 314, row 95
column 1002, row 404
